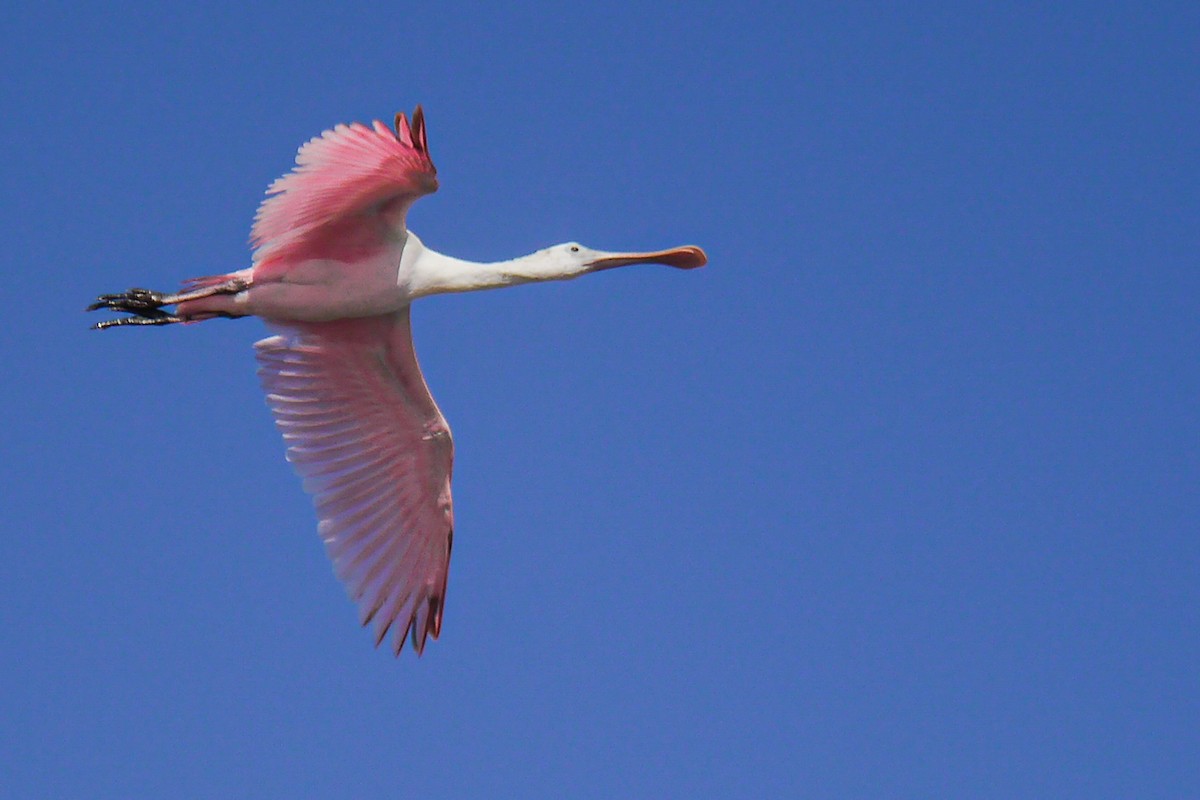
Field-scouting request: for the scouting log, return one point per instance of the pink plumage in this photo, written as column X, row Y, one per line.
column 375, row 453
column 350, row 186
column 334, row 274
column 362, row 429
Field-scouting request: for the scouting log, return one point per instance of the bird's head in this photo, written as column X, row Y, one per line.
column 573, row 259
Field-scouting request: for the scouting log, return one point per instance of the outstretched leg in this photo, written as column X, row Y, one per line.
column 146, row 306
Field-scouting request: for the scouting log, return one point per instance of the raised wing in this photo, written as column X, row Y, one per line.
column 348, row 193
column 375, row 453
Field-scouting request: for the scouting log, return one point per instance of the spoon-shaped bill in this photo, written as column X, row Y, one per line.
column 688, row 257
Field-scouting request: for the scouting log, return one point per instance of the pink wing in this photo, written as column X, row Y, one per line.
column 374, row 451
column 350, row 190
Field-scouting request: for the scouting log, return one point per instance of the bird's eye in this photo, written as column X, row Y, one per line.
column 574, row 248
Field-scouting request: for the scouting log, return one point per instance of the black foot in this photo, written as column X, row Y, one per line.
column 147, row 306
column 161, row 319
column 135, row 301
column 143, row 304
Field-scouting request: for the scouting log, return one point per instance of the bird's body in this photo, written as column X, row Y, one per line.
column 334, row 273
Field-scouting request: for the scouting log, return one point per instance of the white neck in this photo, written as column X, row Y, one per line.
column 429, row 272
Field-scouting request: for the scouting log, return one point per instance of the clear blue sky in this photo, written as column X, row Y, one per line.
column 896, row 498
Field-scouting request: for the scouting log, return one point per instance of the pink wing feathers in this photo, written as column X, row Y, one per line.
column 374, row 451
column 349, row 192
column 361, row 427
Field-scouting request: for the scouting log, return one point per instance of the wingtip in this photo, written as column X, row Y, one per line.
column 398, row 641
column 412, row 135
column 419, row 641
column 403, row 131
column 418, row 129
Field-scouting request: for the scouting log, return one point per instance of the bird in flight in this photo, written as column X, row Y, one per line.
column 333, row 274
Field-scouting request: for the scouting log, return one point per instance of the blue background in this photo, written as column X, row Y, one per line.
column 896, row 498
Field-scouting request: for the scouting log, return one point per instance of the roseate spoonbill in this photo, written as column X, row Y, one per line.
column 333, row 274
